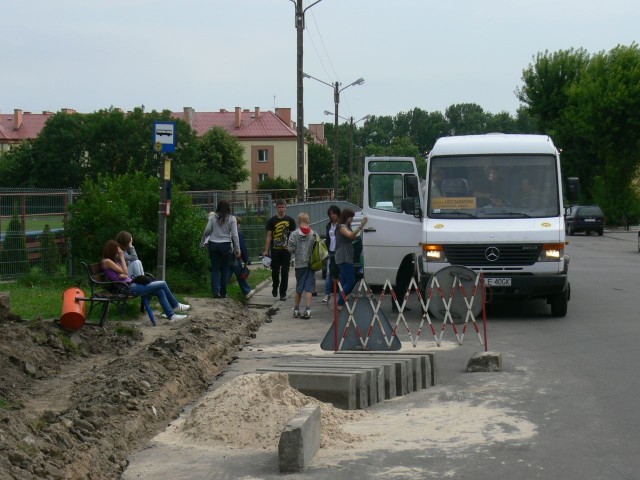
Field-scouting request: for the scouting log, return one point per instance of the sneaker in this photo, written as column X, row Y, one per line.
column 326, row 298
column 306, row 314
column 182, row 307
column 296, row 313
column 274, row 291
column 283, row 298
column 250, row 294
column 176, row 317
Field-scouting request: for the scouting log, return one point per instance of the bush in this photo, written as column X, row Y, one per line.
column 13, row 257
column 49, row 253
column 130, row 202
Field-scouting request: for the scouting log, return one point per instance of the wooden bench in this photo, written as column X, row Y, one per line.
column 105, row 292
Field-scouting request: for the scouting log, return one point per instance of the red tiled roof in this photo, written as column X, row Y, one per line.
column 32, row 124
column 268, row 125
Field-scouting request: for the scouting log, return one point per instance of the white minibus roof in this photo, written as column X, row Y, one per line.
column 494, row 143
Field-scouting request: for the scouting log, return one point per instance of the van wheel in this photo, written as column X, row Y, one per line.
column 570, row 230
column 600, row 232
column 559, row 303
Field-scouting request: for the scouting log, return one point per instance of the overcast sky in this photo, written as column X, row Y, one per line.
column 213, row 54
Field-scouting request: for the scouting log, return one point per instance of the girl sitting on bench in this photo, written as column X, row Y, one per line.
column 114, row 267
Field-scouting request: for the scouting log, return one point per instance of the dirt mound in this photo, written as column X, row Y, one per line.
column 72, row 406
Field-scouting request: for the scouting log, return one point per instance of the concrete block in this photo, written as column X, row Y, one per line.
column 363, row 378
column 300, row 440
column 338, row 389
column 431, row 355
column 376, row 369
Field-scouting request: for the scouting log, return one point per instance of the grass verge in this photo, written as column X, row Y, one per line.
column 38, row 296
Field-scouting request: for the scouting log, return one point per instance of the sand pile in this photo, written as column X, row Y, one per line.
column 250, row 411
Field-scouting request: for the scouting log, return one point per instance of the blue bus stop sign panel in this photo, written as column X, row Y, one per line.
column 164, row 137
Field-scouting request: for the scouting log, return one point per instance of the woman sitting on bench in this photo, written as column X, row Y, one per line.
column 114, row 267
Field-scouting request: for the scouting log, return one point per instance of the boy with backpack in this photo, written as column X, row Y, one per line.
column 300, row 244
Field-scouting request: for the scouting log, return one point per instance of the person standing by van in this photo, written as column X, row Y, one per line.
column 330, row 239
column 279, row 227
column 344, row 251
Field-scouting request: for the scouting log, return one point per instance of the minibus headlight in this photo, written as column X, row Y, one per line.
column 551, row 252
column 433, row 253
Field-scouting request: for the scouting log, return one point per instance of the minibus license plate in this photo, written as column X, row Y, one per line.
column 497, row 282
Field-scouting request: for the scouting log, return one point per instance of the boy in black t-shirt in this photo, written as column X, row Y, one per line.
column 279, row 227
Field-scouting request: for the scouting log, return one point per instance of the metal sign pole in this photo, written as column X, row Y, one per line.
column 162, row 224
column 164, row 141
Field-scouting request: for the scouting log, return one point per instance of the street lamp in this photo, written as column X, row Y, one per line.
column 351, row 125
column 336, row 101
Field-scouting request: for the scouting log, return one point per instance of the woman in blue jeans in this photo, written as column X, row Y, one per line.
column 221, row 238
column 114, row 267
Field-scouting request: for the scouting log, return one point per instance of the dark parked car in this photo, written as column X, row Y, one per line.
column 584, row 218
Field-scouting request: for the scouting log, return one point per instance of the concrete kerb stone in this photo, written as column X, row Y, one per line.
column 300, row 439
column 338, row 389
column 431, row 356
column 386, row 372
column 376, row 378
column 363, row 378
column 323, row 390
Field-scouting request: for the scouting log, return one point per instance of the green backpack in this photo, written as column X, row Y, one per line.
column 319, row 254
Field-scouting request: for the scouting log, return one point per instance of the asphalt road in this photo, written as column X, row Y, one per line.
column 565, row 405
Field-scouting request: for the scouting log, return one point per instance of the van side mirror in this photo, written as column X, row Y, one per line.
column 573, row 189
column 411, row 206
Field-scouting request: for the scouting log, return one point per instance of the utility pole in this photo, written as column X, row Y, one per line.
column 300, row 94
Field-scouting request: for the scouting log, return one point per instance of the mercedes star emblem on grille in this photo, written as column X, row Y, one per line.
column 492, row 254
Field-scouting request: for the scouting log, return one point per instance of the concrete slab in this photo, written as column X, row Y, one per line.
column 386, row 372
column 338, row 389
column 376, row 378
column 300, row 440
column 431, row 355
column 361, row 397
column 364, row 378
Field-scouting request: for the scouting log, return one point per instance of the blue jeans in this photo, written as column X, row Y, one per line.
column 161, row 290
column 347, row 279
column 328, row 286
column 234, row 268
column 219, row 255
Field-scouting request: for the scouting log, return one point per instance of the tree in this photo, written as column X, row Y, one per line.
column 466, row 119
column 219, row 162
column 74, row 146
column 605, row 116
column 320, row 166
column 547, row 83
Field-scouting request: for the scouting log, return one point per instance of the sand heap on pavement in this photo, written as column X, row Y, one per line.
column 250, row 411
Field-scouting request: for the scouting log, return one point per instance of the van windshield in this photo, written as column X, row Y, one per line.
column 492, row 186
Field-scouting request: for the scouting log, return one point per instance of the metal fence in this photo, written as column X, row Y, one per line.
column 32, row 224
column 32, row 230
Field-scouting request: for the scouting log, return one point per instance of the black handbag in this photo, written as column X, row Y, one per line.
column 142, row 280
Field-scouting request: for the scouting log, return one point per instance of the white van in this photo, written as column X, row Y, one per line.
column 492, row 203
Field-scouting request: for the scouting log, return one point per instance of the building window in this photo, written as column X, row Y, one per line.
column 262, row 177
column 263, row 155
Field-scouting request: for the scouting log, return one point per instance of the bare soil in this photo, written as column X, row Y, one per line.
column 73, row 405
